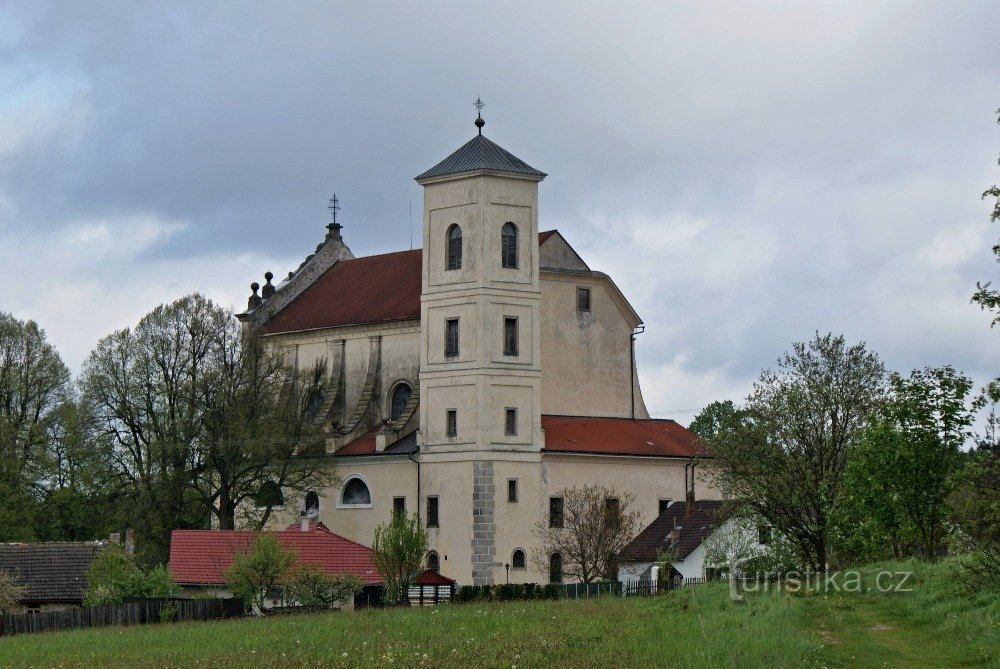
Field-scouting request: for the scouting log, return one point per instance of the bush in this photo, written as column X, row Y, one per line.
column 254, row 574
column 114, row 576
column 10, row 592
column 550, row 591
column 311, row 585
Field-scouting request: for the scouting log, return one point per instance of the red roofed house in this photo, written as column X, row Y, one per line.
column 199, row 558
column 474, row 379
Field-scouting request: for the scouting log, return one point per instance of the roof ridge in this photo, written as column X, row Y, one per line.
column 638, row 420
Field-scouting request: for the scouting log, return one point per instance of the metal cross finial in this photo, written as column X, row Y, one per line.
column 334, row 207
column 479, row 104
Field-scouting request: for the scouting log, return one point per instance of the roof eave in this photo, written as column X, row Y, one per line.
column 438, row 178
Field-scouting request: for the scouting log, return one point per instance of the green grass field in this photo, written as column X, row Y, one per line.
column 935, row 625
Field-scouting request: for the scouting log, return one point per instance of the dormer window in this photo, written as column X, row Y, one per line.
column 454, row 247
column 508, row 245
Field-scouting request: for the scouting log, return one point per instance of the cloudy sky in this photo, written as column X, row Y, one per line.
column 748, row 174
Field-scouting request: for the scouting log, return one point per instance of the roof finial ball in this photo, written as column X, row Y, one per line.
column 254, row 300
column 479, row 104
column 268, row 289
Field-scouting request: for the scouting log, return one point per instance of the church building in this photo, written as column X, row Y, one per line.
column 475, row 379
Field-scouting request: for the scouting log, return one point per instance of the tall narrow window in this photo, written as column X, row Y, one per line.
column 612, row 508
column 508, row 245
column 451, row 338
column 555, row 511
column 451, row 423
column 510, row 423
column 512, row 491
column 400, row 398
column 432, row 512
column 399, row 505
column 454, row 247
column 433, row 561
column 583, row 299
column 555, row 568
column 509, row 336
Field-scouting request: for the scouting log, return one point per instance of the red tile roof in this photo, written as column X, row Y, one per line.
column 373, row 289
column 543, row 236
column 202, row 556
column 692, row 529
column 431, row 577
column 619, row 436
column 601, row 436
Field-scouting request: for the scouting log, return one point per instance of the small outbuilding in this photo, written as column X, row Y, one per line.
column 54, row 573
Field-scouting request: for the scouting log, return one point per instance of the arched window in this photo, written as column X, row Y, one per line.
column 310, row 506
column 433, row 561
column 400, row 398
column 555, row 568
column 517, row 560
column 508, row 245
column 454, row 247
column 355, row 493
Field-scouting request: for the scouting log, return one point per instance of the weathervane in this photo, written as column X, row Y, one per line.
column 334, row 207
column 479, row 104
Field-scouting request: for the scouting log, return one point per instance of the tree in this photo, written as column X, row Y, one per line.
column 784, row 453
column 256, row 573
column 34, row 383
column 114, row 575
column 10, row 593
column 923, row 428
column 311, row 585
column 597, row 523
column 201, row 415
column 711, row 419
column 398, row 550
column 985, row 296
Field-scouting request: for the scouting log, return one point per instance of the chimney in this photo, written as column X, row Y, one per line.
column 382, row 437
column 254, row 300
column 268, row 289
column 129, row 541
column 304, row 524
column 115, row 538
column 689, row 488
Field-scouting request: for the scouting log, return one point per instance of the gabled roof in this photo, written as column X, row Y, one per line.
column 51, row 571
column 692, row 530
column 201, row 557
column 478, row 154
column 620, row 436
column 373, row 289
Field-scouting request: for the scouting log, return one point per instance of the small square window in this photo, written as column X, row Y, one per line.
column 664, row 503
column 510, row 423
column 512, row 491
column 555, row 511
column 509, row 336
column 432, row 512
column 451, row 423
column 399, row 505
column 583, row 299
column 451, row 338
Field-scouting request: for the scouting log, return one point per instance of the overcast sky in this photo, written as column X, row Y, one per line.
column 748, row 173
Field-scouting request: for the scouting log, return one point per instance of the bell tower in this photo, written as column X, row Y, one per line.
column 480, row 379
column 480, row 373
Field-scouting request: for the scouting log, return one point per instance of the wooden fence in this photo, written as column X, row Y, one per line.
column 431, row 595
column 141, row 612
column 646, row 588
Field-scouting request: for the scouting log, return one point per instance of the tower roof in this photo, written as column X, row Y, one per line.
column 477, row 154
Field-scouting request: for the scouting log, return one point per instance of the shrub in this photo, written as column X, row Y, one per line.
column 10, row 592
column 311, row 585
column 254, row 574
column 114, row 575
column 550, row 591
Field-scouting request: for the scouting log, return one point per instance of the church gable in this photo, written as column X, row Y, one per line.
column 554, row 252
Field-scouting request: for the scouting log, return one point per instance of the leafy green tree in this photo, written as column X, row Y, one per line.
column 929, row 421
column 34, row 383
column 114, row 576
column 200, row 415
column 784, row 453
column 398, row 550
column 986, row 296
column 311, row 585
column 711, row 419
column 259, row 571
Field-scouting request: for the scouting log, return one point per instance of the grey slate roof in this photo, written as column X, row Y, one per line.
column 52, row 571
column 480, row 153
column 693, row 529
